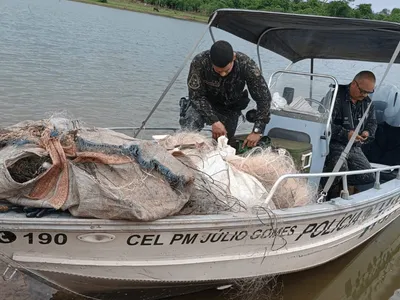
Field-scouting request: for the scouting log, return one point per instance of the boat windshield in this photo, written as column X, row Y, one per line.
column 302, row 95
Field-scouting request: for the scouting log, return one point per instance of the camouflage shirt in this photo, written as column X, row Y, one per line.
column 210, row 93
column 340, row 131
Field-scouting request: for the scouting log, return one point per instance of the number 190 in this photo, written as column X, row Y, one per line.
column 46, row 238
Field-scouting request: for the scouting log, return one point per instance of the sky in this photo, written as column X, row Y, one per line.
column 378, row 5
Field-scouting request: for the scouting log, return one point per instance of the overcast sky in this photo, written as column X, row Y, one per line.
column 378, row 5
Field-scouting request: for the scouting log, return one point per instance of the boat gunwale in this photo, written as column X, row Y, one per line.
column 18, row 221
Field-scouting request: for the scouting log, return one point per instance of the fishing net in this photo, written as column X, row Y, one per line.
column 100, row 173
column 267, row 165
column 214, row 187
column 209, row 195
column 91, row 172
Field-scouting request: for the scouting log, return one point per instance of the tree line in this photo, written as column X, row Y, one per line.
column 336, row 8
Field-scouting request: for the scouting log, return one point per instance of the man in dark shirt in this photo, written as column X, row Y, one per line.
column 217, row 95
column 351, row 102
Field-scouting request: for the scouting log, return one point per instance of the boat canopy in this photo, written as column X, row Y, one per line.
column 297, row 37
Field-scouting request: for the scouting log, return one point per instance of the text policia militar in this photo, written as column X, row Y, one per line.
column 311, row 230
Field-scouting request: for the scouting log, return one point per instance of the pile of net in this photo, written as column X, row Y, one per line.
column 100, row 173
column 230, row 182
column 90, row 172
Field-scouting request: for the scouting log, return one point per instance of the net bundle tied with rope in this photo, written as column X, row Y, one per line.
column 91, row 172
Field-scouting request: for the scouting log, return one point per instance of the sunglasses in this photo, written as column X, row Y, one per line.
column 362, row 91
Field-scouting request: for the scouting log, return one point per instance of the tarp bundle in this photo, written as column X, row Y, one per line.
column 226, row 181
column 94, row 172
column 219, row 185
column 90, row 172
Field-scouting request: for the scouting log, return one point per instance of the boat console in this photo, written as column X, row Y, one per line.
column 301, row 111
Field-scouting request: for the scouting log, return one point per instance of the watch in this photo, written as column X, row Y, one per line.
column 257, row 130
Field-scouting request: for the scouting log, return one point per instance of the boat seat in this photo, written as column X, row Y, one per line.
column 292, row 135
column 296, row 143
column 301, row 152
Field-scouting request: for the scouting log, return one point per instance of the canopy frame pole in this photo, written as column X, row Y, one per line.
column 212, row 34
column 164, row 93
column 258, row 44
column 392, row 60
column 312, row 77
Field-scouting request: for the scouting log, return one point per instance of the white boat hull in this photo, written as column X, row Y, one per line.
column 100, row 255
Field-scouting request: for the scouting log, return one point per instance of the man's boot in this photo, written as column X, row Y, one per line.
column 353, row 190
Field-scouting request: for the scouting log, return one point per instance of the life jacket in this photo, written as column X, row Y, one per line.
column 347, row 117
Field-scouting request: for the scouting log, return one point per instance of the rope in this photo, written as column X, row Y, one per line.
column 135, row 152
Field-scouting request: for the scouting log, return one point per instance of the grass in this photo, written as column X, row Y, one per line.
column 148, row 9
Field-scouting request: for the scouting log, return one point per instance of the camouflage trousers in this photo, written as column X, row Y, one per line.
column 356, row 160
column 190, row 119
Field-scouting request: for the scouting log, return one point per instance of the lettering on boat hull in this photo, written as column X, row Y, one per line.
column 221, row 236
column 329, row 226
column 364, row 220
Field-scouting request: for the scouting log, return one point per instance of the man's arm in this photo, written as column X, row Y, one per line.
column 371, row 123
column 197, row 92
column 259, row 91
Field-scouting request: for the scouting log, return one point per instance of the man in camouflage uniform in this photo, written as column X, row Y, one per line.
column 351, row 102
column 216, row 82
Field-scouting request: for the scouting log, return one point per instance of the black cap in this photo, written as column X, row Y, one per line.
column 221, row 54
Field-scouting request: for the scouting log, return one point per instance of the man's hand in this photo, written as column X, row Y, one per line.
column 252, row 140
column 218, row 129
column 358, row 137
column 364, row 135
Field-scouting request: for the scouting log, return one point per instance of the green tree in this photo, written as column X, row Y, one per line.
column 335, row 8
column 364, row 11
column 394, row 15
column 339, row 9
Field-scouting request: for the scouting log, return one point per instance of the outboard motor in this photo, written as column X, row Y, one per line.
column 385, row 148
column 380, row 107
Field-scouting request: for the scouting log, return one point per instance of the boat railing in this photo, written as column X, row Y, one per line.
column 174, row 129
column 345, row 191
column 135, row 129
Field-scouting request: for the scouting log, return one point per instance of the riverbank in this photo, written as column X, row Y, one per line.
column 149, row 9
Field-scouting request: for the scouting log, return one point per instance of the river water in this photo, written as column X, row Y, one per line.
column 108, row 67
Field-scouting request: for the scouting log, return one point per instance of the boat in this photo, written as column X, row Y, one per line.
column 97, row 256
